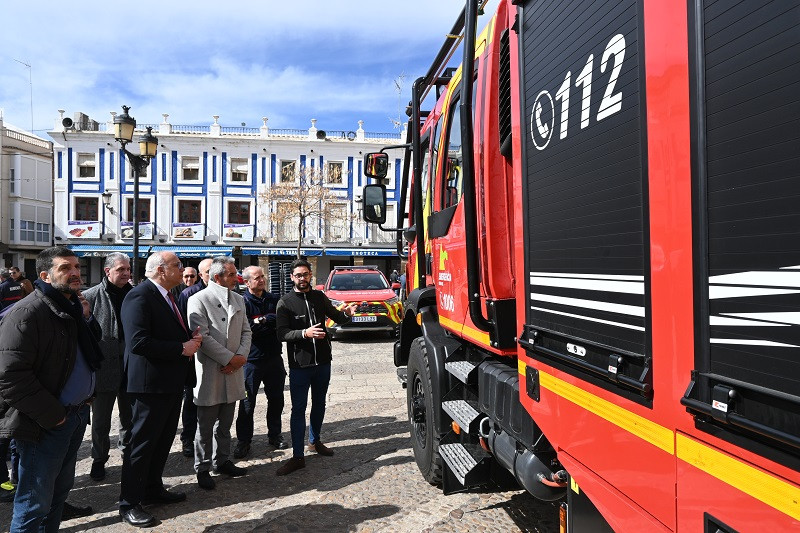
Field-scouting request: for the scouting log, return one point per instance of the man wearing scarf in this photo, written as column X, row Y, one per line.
column 48, row 357
column 106, row 301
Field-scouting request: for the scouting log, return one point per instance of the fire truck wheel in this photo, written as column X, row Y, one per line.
column 424, row 438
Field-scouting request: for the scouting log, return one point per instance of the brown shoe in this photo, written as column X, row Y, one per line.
column 320, row 449
column 295, row 463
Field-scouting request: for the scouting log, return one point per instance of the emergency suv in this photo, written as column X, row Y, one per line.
column 379, row 308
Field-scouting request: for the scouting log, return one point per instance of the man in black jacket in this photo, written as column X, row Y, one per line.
column 264, row 364
column 301, row 324
column 159, row 351
column 48, row 357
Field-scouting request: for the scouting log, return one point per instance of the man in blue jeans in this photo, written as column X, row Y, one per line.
column 48, row 357
column 301, row 317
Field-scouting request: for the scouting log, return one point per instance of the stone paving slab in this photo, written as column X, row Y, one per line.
column 371, row 484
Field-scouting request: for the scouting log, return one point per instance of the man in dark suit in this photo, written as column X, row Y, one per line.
column 158, row 364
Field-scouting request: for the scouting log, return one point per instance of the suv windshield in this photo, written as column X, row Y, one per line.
column 358, row 282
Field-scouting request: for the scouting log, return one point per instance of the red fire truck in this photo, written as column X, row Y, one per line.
column 603, row 233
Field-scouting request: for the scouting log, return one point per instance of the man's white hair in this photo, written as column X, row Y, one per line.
column 155, row 260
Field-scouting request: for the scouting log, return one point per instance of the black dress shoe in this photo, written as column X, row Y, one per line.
column 242, row 449
column 231, row 469
column 279, row 443
column 205, row 481
column 137, row 517
column 164, row 496
column 98, row 471
column 70, row 511
column 188, row 449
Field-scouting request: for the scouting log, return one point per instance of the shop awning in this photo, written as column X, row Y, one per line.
column 308, row 252
column 99, row 250
column 365, row 252
column 194, row 251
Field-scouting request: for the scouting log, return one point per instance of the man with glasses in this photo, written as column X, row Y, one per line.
column 159, row 352
column 189, row 278
column 301, row 317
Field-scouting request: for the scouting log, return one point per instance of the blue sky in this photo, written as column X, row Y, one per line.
column 332, row 60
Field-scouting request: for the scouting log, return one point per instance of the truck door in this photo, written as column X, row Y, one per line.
column 446, row 222
column 746, row 118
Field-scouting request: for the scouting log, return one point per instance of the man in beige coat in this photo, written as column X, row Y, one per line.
column 219, row 314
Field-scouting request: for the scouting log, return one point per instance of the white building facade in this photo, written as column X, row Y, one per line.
column 203, row 194
column 26, row 197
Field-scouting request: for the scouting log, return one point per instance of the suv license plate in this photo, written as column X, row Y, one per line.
column 370, row 318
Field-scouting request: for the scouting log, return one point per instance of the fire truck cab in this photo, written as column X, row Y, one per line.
column 603, row 232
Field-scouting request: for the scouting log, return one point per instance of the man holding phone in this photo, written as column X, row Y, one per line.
column 301, row 316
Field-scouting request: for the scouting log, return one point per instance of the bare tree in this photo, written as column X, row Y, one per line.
column 300, row 198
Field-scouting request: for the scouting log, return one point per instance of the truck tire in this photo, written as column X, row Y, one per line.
column 424, row 438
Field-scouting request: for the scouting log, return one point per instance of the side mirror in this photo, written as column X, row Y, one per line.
column 410, row 235
column 320, row 287
column 374, row 203
column 376, row 164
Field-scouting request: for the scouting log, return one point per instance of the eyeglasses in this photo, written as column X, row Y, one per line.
column 189, row 276
column 302, row 275
column 177, row 265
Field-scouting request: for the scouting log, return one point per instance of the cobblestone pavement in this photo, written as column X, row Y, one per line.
column 370, row 484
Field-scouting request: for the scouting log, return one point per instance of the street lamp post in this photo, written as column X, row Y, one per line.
column 124, row 126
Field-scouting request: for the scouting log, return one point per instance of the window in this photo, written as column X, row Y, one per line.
column 144, row 209
column 189, row 211
column 377, row 234
column 452, row 177
column 190, row 168
column 86, row 209
column 288, row 171
column 334, row 172
column 11, row 231
column 239, row 170
column 27, row 230
column 287, row 227
column 238, row 212
column 11, row 182
column 42, row 232
column 86, row 166
column 336, row 223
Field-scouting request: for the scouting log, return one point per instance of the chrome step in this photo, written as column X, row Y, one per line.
column 464, row 413
column 461, row 369
column 468, row 463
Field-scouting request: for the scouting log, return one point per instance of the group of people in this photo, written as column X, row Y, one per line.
column 151, row 348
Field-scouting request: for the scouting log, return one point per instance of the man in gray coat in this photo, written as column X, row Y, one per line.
column 221, row 317
column 105, row 299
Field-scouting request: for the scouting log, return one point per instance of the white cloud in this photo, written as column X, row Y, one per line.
column 292, row 61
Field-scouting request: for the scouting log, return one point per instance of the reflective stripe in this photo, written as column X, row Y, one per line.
column 764, row 487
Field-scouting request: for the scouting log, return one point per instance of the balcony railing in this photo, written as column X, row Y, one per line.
column 28, row 139
column 250, row 132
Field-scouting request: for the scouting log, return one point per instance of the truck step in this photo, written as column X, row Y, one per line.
column 469, row 463
column 402, row 376
column 464, row 413
column 461, row 369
